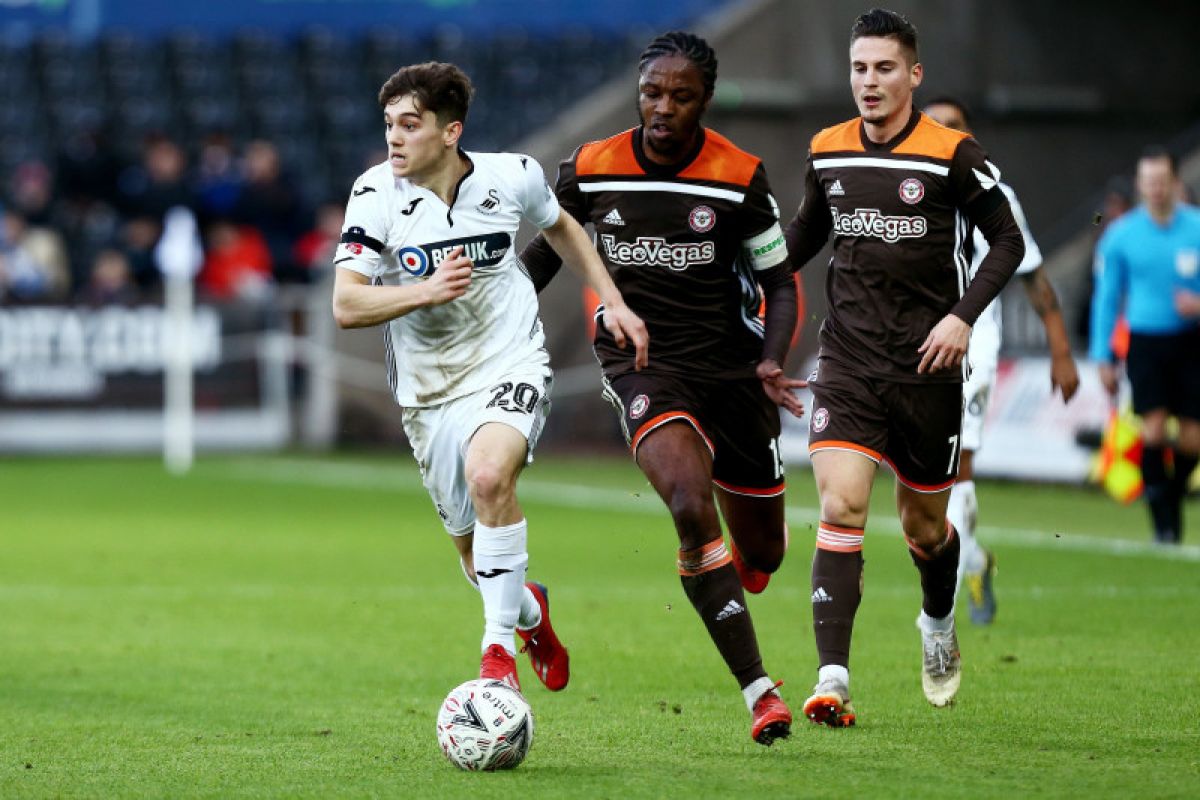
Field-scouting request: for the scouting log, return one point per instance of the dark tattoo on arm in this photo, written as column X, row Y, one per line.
column 1040, row 291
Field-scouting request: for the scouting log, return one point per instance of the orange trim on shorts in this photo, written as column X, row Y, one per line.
column 773, row 491
column 703, row 559
column 662, row 419
column 919, row 487
column 837, row 444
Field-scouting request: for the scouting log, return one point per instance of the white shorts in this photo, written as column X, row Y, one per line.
column 976, row 392
column 439, row 436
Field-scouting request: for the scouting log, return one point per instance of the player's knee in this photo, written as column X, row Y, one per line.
column 921, row 528
column 841, row 509
column 694, row 516
column 489, row 484
column 766, row 557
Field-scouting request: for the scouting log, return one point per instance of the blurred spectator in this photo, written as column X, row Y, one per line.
column 137, row 240
column 314, row 250
column 33, row 261
column 237, row 262
column 158, row 182
column 271, row 203
column 219, row 182
column 31, row 191
column 88, row 169
column 110, row 280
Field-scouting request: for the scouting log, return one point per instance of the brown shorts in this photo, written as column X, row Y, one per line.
column 914, row 427
column 736, row 419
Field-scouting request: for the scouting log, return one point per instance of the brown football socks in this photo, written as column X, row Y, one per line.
column 712, row 585
column 837, row 571
column 939, row 573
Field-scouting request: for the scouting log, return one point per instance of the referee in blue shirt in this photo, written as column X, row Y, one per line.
column 1149, row 261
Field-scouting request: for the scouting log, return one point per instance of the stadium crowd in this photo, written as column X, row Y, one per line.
column 84, row 227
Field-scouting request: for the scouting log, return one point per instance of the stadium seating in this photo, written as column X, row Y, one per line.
column 311, row 94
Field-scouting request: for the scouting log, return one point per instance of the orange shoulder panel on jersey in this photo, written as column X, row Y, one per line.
column 839, row 139
column 721, row 160
column 611, row 156
column 932, row 140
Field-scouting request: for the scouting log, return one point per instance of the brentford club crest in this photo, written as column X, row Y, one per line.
column 638, row 407
column 911, row 191
column 820, row 420
column 702, row 219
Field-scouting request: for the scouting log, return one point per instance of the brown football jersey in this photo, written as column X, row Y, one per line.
column 683, row 244
column 901, row 215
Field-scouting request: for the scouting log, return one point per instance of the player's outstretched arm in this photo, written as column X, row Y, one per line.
column 358, row 304
column 1064, row 376
column 569, row 240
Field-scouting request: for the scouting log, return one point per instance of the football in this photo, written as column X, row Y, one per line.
column 485, row 725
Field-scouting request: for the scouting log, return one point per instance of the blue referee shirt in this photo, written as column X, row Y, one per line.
column 1144, row 263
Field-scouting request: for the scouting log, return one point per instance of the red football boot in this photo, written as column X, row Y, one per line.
column 772, row 718
column 551, row 662
column 753, row 580
column 498, row 665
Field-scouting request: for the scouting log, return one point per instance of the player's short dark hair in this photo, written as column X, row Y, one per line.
column 951, row 100
column 1154, row 152
column 435, row 86
column 887, row 24
column 688, row 45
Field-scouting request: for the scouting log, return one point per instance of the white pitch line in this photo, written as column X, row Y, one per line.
column 372, row 478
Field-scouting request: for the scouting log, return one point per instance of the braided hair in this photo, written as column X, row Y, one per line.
column 688, row 45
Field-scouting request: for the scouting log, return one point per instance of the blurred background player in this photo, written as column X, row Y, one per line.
column 897, row 191
column 976, row 564
column 428, row 250
column 1148, row 262
column 686, row 223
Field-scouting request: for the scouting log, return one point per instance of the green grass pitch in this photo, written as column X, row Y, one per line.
column 287, row 627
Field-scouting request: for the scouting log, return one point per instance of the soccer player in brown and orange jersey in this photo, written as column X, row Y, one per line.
column 899, row 193
column 687, row 227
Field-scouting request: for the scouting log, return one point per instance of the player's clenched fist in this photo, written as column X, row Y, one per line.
column 451, row 279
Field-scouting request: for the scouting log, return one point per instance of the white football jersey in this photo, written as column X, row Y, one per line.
column 397, row 233
column 985, row 335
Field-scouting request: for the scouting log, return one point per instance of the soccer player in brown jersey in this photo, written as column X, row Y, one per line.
column 899, row 193
column 976, row 564
column 687, row 226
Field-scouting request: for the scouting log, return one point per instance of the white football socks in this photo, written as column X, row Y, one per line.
column 930, row 625
column 756, row 689
column 834, row 672
column 500, row 561
column 962, row 513
column 531, row 612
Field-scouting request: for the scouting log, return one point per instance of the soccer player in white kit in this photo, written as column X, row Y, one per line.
column 428, row 251
column 976, row 565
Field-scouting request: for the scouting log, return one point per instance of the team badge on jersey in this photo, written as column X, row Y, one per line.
column 637, row 409
column 492, row 204
column 702, row 219
column 820, row 420
column 911, row 191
